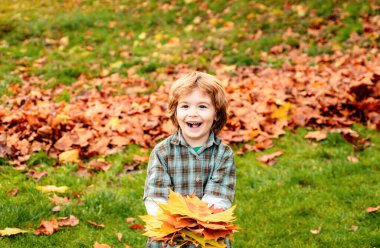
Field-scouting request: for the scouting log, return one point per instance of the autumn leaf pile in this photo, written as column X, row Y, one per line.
column 106, row 114
column 186, row 220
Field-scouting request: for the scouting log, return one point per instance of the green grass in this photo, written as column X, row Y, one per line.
column 311, row 186
column 76, row 36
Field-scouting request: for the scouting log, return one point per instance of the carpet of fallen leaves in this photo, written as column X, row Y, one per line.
column 106, row 114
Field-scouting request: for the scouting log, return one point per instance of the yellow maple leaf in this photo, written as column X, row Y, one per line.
column 113, row 123
column 282, row 112
column 11, row 231
column 52, row 188
column 69, row 156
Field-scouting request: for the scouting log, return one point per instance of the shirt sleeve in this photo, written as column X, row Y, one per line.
column 151, row 204
column 158, row 182
column 217, row 202
column 223, row 178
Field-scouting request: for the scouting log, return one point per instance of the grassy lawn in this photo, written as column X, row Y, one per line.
column 312, row 186
column 63, row 40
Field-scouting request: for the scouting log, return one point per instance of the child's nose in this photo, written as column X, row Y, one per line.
column 193, row 111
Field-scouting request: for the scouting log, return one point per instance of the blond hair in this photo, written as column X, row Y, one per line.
column 209, row 85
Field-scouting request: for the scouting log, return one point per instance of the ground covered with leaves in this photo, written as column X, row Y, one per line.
column 81, row 84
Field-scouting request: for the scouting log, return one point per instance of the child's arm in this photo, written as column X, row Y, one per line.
column 151, row 204
column 217, row 202
column 220, row 188
column 158, row 182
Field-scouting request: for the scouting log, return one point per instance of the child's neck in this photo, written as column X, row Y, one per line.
column 196, row 142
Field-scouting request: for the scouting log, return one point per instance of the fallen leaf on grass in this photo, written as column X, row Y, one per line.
column 99, row 165
column 136, row 226
column 59, row 200
column 352, row 159
column 354, row 138
column 92, row 223
column 69, row 156
column 12, row 192
column 130, row 219
column 269, row 159
column 83, row 172
column 47, row 227
column 354, row 228
column 56, row 208
column 119, row 236
column 97, row 245
column 372, row 209
column 68, row 221
column 11, row 231
column 35, row 175
column 317, row 135
column 52, row 188
column 316, row 231
column 141, row 159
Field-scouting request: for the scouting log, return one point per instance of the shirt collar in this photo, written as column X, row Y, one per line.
column 178, row 139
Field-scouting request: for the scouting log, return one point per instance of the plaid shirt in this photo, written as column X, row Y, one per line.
column 173, row 164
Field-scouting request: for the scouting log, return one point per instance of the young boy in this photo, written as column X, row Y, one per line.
column 193, row 160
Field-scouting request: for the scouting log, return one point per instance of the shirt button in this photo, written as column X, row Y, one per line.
column 197, row 179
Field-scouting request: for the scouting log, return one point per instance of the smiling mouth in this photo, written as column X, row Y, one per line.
column 193, row 124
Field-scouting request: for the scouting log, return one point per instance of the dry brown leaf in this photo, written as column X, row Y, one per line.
column 47, row 227
column 119, row 236
column 99, row 165
column 317, row 135
column 130, row 220
column 316, row 231
column 56, row 208
column 92, row 223
column 141, row 159
column 68, row 221
column 136, row 226
column 36, row 175
column 64, row 143
column 69, row 156
column 269, row 159
column 372, row 209
column 12, row 192
column 352, row 159
column 83, row 172
column 98, row 245
column 59, row 200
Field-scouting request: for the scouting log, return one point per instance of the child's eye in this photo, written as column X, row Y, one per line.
column 184, row 106
column 202, row 106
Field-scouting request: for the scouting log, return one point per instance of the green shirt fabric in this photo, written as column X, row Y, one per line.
column 196, row 148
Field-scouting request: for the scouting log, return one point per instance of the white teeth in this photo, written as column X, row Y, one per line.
column 193, row 123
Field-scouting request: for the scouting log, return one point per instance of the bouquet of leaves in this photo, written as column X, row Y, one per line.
column 187, row 220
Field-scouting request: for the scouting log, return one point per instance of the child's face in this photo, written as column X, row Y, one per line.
column 195, row 116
